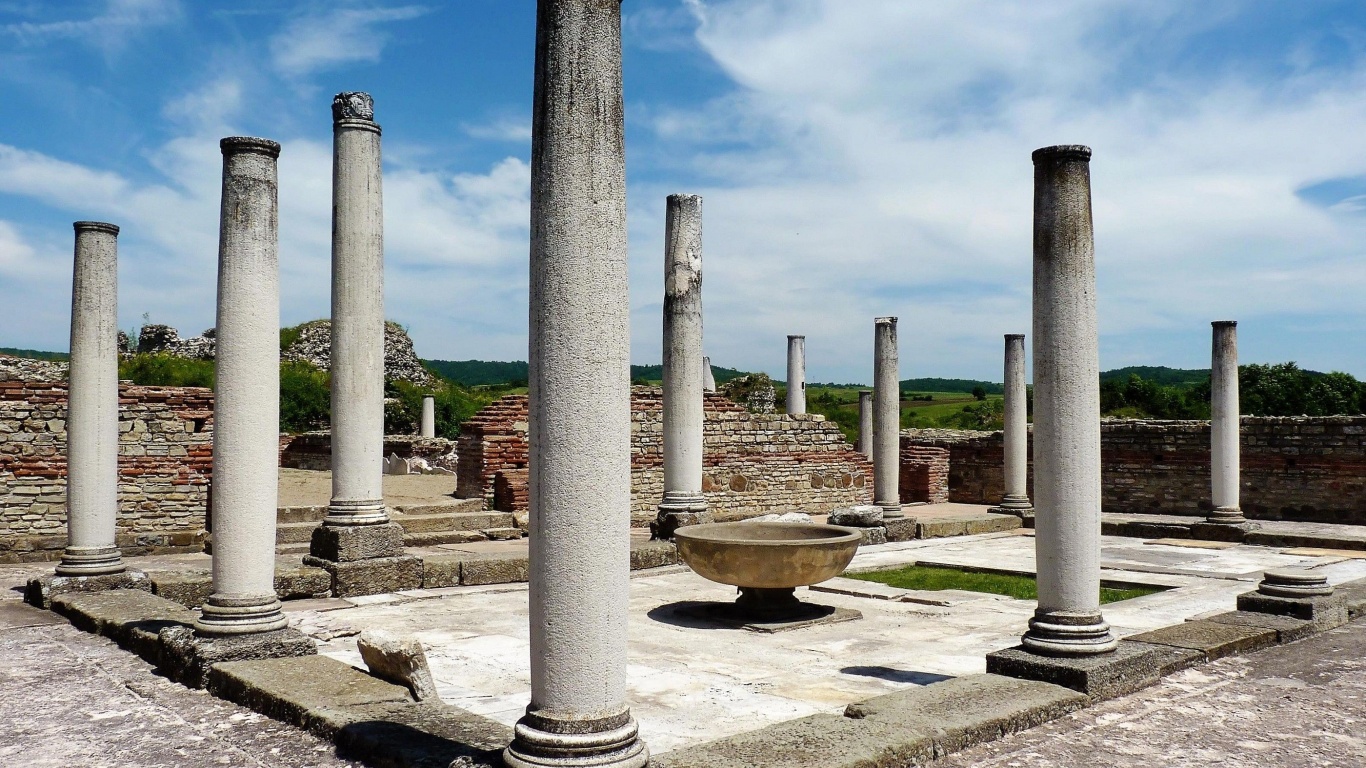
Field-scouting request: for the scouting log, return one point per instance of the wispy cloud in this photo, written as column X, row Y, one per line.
column 109, row 30
column 318, row 41
column 510, row 129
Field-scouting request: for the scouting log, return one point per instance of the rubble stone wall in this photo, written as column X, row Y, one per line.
column 165, row 463
column 1308, row 468
column 313, row 450
column 753, row 464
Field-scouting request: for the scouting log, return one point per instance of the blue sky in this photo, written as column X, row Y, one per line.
column 856, row 157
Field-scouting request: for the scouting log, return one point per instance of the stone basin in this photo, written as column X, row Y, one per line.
column 767, row 555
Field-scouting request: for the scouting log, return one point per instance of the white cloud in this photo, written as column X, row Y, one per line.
column 316, row 42
column 110, row 30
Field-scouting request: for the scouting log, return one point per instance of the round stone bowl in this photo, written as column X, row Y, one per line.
column 767, row 555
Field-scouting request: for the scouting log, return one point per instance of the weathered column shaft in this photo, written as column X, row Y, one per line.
column 865, row 423
column 92, row 419
column 246, row 395
column 683, row 361
column 1224, row 425
column 429, row 416
column 1016, row 472
column 796, row 375
column 580, row 408
column 708, row 378
column 886, row 418
column 357, row 362
column 1066, row 410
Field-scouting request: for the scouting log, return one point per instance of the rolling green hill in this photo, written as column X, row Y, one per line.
column 34, row 354
column 1169, row 377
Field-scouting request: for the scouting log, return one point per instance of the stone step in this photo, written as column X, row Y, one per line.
column 316, row 512
column 294, row 533
column 313, row 514
column 457, row 521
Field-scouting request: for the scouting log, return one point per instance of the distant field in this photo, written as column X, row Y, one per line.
column 34, row 354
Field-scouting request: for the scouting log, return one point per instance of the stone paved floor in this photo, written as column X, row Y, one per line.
column 68, row 698
column 1297, row 705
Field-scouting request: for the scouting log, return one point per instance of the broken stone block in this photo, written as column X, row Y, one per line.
column 860, row 516
column 785, row 517
column 399, row 660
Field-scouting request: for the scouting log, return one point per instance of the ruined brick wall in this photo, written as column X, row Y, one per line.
column 753, row 464
column 1293, row 468
column 510, row 490
column 924, row 473
column 313, row 450
column 165, row 462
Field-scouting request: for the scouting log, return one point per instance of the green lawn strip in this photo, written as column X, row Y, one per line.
column 1019, row 587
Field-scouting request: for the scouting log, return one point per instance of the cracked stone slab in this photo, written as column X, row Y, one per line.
column 1128, row 668
column 1214, row 640
column 288, row 689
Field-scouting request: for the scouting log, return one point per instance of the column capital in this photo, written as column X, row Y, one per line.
column 95, row 226
column 236, row 145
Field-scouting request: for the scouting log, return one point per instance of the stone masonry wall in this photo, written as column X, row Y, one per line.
column 1293, row 468
column 753, row 464
column 165, row 462
column 924, row 473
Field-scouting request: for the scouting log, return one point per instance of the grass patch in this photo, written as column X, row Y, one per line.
column 928, row 577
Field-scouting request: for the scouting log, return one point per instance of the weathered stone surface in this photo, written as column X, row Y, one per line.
column 115, row 613
column 859, row 516
column 1214, row 640
column 653, row 554
column 302, row 582
column 900, row 529
column 965, row 711
column 502, row 534
column 15, row 614
column 189, row 588
column 400, row 660
column 406, row 735
column 493, row 569
column 371, row 577
column 780, row 517
column 1328, row 612
column 314, row 345
column 441, row 571
column 40, row 591
column 876, row 535
column 817, row 741
column 189, row 658
column 350, row 543
column 1353, row 597
column 288, row 688
column 1128, row 668
column 1287, row 629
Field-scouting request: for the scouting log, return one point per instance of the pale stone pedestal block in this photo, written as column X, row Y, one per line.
column 348, row 543
column 187, row 657
column 371, row 576
column 41, row 590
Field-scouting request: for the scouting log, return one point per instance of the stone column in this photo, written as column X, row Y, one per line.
column 580, row 407
column 886, row 418
column 92, row 419
column 429, row 416
column 1016, row 470
column 1224, row 425
column 708, row 380
column 246, row 412
column 796, row 375
column 1066, row 410
column 865, row 423
column 684, row 367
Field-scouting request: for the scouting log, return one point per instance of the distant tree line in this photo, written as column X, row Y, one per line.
column 1281, row 389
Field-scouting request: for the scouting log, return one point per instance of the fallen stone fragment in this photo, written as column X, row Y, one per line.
column 399, row 660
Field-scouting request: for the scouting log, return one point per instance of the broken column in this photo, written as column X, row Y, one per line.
column 579, row 426
column 357, row 542
column 429, row 416
column 1224, row 425
column 865, row 423
column 796, row 375
column 684, row 367
column 92, row 420
column 246, row 415
column 1068, row 620
column 886, row 418
column 708, row 378
column 1016, row 470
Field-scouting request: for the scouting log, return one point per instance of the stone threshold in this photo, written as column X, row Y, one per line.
column 1020, row 690
column 1264, row 533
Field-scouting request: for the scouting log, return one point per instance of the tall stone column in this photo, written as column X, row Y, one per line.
column 92, row 420
column 796, row 375
column 1016, row 470
column 708, row 379
column 886, row 418
column 1066, row 410
column 429, row 416
column 684, row 367
column 246, row 412
column 865, row 423
column 580, row 407
column 357, row 542
column 1224, row 425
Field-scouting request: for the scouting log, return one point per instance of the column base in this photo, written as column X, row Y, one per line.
column 186, row 656
column 1019, row 506
column 40, row 591
column 90, row 561
column 1055, row 633
column 890, row 509
column 1226, row 516
column 345, row 513
column 350, row 543
column 678, row 510
column 223, row 615
column 545, row 740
